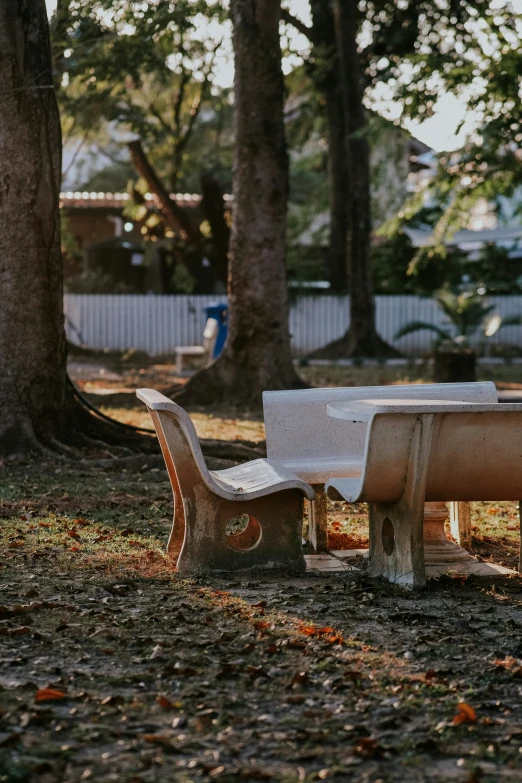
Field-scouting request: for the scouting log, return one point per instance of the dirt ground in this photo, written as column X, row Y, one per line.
column 113, row 668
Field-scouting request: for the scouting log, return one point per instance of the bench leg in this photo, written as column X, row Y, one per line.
column 271, row 540
column 318, row 520
column 460, row 522
column 520, row 530
column 177, row 534
column 179, row 363
column 396, row 529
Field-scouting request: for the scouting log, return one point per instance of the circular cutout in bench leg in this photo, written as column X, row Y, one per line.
column 243, row 532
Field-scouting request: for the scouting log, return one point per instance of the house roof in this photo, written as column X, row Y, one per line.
column 94, row 200
column 420, row 237
column 472, row 242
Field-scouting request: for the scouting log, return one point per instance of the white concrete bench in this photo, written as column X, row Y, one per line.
column 302, row 437
column 419, row 451
column 201, row 352
column 266, row 495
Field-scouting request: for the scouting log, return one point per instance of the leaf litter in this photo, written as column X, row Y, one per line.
column 113, row 668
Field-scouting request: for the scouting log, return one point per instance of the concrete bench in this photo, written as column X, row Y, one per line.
column 262, row 495
column 419, row 451
column 201, row 352
column 306, row 440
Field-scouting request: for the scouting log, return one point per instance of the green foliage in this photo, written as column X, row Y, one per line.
column 495, row 271
column 392, row 258
column 114, row 178
column 423, row 50
column 467, row 312
column 146, row 68
column 96, row 282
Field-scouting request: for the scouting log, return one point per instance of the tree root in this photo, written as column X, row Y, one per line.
column 349, row 346
column 227, row 382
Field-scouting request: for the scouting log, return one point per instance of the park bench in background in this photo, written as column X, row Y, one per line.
column 201, row 352
column 306, row 440
column 426, row 450
column 266, row 495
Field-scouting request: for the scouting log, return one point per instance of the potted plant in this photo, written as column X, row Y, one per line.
column 454, row 353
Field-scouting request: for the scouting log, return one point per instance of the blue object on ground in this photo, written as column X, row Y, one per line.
column 219, row 312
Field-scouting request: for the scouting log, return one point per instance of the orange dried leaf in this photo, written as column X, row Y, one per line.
column 49, row 694
column 465, row 714
column 158, row 739
column 164, row 702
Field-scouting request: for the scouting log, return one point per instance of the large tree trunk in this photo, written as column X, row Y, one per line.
column 257, row 353
column 326, row 76
column 39, row 408
column 32, row 337
column 362, row 338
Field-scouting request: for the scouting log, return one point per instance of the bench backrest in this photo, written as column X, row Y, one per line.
column 178, row 439
column 298, row 426
column 473, row 456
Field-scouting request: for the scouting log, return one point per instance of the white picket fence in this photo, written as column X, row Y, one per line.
column 157, row 324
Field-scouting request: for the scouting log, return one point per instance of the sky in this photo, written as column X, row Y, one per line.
column 438, row 132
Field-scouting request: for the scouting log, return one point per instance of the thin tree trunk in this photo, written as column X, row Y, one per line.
column 326, row 76
column 362, row 338
column 213, row 207
column 338, row 187
column 257, row 354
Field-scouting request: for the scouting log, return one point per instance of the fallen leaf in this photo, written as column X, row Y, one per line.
column 465, row 714
column 164, row 702
column 368, row 748
column 300, row 678
column 49, row 694
column 157, row 739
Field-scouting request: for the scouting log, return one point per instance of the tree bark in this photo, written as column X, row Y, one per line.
column 32, row 337
column 38, row 405
column 257, row 353
column 326, row 76
column 362, row 338
column 213, row 207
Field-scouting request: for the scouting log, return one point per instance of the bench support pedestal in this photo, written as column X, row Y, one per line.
column 318, row 520
column 460, row 521
column 437, row 546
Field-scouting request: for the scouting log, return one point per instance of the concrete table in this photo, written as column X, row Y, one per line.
column 438, row 550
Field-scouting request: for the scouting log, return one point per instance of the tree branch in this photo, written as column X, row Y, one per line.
column 196, row 106
column 301, row 27
column 176, row 217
